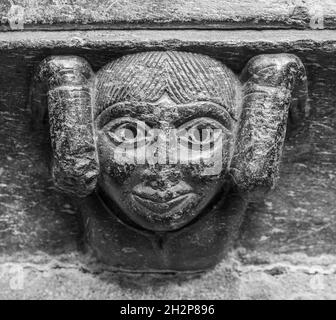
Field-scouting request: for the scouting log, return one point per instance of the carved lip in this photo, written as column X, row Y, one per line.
column 160, row 206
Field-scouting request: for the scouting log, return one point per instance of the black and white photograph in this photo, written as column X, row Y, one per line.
column 181, row 152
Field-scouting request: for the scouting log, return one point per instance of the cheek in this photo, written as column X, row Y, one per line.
column 213, row 166
column 205, row 185
column 227, row 151
column 119, row 173
column 210, row 175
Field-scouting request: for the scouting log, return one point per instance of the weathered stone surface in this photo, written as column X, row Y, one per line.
column 250, row 277
column 299, row 216
column 65, row 85
column 176, row 211
column 203, row 14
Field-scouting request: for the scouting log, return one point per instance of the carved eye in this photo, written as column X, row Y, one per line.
column 126, row 130
column 125, row 133
column 202, row 132
column 199, row 135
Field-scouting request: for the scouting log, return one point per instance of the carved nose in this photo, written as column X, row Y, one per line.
column 161, row 186
column 161, row 179
column 157, row 184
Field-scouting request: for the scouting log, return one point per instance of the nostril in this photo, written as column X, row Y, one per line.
column 154, row 184
column 174, row 177
column 169, row 195
column 173, row 182
column 148, row 174
column 162, row 180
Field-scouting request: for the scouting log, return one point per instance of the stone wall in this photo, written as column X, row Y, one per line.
column 147, row 14
column 286, row 246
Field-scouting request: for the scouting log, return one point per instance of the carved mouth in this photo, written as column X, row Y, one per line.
column 161, row 206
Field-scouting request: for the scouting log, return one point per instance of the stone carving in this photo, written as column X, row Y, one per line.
column 163, row 205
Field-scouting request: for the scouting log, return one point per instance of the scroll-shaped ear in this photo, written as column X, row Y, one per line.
column 273, row 85
column 63, row 89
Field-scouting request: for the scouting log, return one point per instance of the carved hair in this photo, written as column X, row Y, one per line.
column 65, row 84
column 274, row 85
column 186, row 77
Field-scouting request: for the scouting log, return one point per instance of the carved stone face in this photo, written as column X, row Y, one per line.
column 167, row 195
column 148, row 99
column 150, row 201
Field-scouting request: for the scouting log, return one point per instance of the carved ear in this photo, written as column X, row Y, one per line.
column 63, row 88
column 273, row 85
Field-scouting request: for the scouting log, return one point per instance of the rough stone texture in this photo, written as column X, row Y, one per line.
column 64, row 84
column 275, row 88
column 166, row 216
column 297, row 218
column 240, row 277
column 207, row 14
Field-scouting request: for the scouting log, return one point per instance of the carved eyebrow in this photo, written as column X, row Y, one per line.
column 124, row 109
column 146, row 110
column 205, row 109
